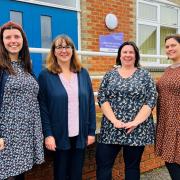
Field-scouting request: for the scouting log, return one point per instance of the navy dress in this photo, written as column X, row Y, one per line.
column 20, row 124
column 126, row 97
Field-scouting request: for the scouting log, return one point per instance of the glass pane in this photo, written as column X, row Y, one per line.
column 147, row 41
column 16, row 17
column 147, row 11
column 70, row 3
column 169, row 16
column 46, row 33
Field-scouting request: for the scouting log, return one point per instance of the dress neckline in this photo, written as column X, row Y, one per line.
column 129, row 76
column 173, row 66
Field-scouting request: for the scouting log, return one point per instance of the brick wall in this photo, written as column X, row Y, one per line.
column 175, row 1
column 93, row 14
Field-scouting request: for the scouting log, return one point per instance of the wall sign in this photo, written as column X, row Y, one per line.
column 111, row 42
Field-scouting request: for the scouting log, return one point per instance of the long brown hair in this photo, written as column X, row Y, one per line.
column 51, row 60
column 24, row 55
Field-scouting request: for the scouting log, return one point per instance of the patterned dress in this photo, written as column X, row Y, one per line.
column 20, row 124
column 126, row 97
column 168, row 116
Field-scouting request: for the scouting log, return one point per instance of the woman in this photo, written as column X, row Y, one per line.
column 67, row 109
column 126, row 96
column 168, row 110
column 20, row 122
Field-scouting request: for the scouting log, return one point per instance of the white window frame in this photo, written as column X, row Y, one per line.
column 154, row 23
column 53, row 5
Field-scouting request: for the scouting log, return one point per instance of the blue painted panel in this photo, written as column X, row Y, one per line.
column 63, row 21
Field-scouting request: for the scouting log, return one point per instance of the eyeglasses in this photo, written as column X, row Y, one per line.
column 59, row 47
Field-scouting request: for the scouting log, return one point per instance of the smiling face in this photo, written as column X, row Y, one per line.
column 13, row 42
column 127, row 56
column 63, row 52
column 172, row 48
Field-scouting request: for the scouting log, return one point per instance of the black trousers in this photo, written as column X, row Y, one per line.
column 106, row 155
column 174, row 170
column 68, row 164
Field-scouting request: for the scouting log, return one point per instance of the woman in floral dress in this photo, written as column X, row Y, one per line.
column 126, row 96
column 20, row 123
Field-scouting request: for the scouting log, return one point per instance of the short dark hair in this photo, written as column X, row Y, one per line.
column 137, row 55
column 174, row 36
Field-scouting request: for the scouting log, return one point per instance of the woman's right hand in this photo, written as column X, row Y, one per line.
column 50, row 143
column 2, row 145
column 118, row 124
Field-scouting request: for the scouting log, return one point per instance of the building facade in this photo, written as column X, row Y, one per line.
column 42, row 22
column 90, row 23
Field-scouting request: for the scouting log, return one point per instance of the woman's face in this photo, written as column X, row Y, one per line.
column 13, row 42
column 128, row 56
column 63, row 52
column 172, row 48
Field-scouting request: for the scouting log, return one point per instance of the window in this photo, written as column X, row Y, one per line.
column 147, row 11
column 70, row 3
column 169, row 16
column 46, row 33
column 147, row 40
column 155, row 21
column 16, row 17
column 65, row 4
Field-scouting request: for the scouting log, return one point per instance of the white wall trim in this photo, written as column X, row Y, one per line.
column 50, row 5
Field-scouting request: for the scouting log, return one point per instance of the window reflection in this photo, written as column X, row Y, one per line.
column 16, row 17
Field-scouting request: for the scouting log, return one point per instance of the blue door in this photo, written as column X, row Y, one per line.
column 41, row 25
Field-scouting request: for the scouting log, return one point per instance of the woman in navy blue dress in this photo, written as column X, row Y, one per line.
column 20, row 121
column 126, row 96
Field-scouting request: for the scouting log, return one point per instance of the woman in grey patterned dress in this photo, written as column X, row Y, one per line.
column 20, row 123
column 126, row 96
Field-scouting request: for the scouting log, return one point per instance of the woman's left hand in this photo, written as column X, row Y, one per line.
column 130, row 126
column 90, row 140
column 2, row 145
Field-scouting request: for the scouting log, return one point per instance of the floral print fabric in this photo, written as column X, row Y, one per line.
column 126, row 97
column 20, row 124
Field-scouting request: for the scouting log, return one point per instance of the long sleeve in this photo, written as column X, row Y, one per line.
column 43, row 102
column 92, row 112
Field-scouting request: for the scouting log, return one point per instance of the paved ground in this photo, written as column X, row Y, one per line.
column 156, row 174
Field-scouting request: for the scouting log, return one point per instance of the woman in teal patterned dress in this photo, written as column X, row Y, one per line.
column 20, row 123
column 126, row 96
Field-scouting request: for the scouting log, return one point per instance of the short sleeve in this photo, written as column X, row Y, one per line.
column 103, row 90
column 151, row 92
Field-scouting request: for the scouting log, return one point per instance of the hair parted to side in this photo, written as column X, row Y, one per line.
column 51, row 60
column 174, row 36
column 24, row 55
column 137, row 55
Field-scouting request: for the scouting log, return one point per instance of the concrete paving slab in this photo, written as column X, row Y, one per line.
column 156, row 174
